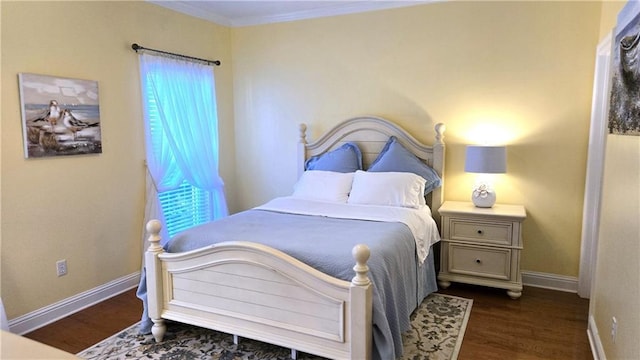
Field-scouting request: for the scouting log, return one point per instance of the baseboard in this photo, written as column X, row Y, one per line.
column 550, row 281
column 594, row 340
column 48, row 314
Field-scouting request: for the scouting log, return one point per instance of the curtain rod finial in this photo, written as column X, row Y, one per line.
column 135, row 46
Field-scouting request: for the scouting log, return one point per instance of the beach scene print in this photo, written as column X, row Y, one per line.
column 60, row 116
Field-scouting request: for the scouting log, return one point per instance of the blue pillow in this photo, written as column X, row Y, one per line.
column 345, row 159
column 396, row 158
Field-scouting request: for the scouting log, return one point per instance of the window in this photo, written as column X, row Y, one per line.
column 181, row 142
column 185, row 207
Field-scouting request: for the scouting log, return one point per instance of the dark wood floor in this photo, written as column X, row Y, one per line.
column 89, row 326
column 542, row 324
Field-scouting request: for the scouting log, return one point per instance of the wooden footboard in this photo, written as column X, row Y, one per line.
column 254, row 291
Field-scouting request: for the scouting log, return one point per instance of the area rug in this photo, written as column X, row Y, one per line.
column 437, row 329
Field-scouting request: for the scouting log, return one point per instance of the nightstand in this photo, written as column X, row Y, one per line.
column 482, row 246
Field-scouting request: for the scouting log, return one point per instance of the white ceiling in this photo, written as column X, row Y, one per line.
column 245, row 13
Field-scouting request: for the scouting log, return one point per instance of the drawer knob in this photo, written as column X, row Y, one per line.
column 479, row 232
column 478, row 261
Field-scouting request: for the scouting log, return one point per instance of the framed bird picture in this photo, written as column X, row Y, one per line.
column 624, row 106
column 60, row 116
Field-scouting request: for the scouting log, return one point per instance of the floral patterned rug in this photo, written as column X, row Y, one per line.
column 438, row 327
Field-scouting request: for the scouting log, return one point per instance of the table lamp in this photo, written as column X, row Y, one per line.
column 485, row 160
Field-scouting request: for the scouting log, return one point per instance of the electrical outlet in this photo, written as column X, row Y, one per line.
column 61, row 267
column 614, row 329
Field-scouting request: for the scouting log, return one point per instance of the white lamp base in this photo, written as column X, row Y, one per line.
column 483, row 197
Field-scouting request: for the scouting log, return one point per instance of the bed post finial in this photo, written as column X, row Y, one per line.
column 302, row 149
column 154, row 280
column 361, row 254
column 154, row 227
column 440, row 128
column 303, row 133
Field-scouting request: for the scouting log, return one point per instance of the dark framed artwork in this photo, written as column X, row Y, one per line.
column 624, row 105
column 60, row 116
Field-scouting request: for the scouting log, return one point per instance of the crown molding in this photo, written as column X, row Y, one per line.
column 189, row 9
column 336, row 8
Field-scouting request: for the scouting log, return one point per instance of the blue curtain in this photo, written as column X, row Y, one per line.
column 185, row 146
column 181, row 138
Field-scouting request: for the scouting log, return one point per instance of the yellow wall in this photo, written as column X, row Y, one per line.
column 87, row 209
column 617, row 280
column 524, row 69
column 616, row 288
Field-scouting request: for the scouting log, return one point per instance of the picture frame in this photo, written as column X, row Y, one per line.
column 624, row 104
column 60, row 116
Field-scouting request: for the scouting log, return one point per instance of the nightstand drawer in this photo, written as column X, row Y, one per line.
column 493, row 233
column 480, row 261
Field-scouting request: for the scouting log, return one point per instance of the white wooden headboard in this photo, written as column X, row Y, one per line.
column 371, row 134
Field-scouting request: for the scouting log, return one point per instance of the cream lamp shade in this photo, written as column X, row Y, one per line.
column 485, row 160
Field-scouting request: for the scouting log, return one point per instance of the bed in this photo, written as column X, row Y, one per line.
column 345, row 294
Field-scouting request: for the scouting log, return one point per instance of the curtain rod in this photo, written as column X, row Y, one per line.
column 137, row 47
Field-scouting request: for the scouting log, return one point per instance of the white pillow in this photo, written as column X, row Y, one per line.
column 323, row 186
column 387, row 188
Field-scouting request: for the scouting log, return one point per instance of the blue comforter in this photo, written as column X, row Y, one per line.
column 399, row 283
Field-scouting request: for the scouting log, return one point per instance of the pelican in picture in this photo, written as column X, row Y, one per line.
column 52, row 115
column 73, row 124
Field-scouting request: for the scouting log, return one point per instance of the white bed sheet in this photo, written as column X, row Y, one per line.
column 419, row 221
